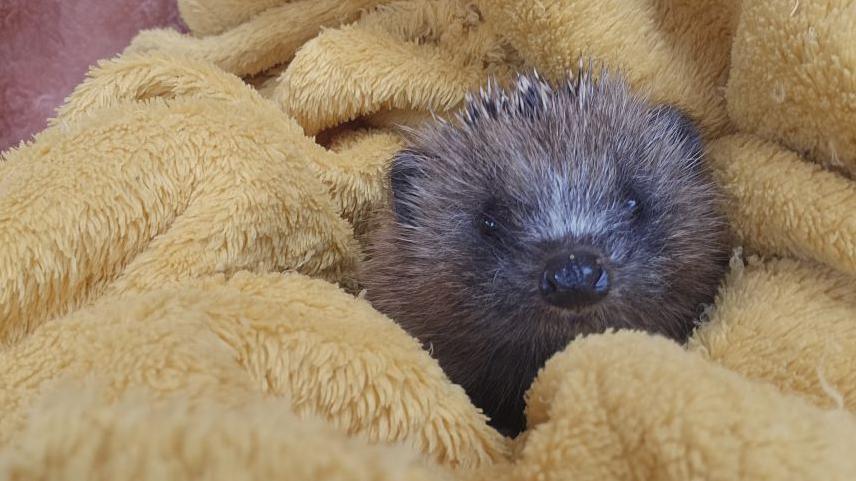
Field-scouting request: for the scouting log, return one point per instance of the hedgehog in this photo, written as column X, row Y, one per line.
column 540, row 213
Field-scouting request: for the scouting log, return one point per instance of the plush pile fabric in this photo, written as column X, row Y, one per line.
column 178, row 297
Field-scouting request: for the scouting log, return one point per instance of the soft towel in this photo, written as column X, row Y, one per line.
column 178, row 297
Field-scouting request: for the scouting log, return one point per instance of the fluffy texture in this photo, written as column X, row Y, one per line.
column 677, row 50
column 804, row 97
column 527, row 176
column 784, row 206
column 782, row 352
column 260, row 439
column 268, row 38
column 459, row 50
column 174, row 236
column 217, row 336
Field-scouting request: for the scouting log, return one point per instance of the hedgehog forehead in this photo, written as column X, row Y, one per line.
column 531, row 96
column 581, row 114
column 582, row 143
column 533, row 182
column 516, row 158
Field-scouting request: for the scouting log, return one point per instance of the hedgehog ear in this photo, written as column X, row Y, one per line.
column 403, row 174
column 678, row 124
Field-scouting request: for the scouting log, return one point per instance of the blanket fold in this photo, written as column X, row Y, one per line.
column 802, row 95
column 228, row 340
column 266, row 39
column 179, row 295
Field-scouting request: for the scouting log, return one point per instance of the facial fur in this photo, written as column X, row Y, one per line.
column 480, row 204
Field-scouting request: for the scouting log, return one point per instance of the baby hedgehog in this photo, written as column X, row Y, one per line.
column 539, row 214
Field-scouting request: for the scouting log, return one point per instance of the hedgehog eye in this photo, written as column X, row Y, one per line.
column 633, row 206
column 487, row 225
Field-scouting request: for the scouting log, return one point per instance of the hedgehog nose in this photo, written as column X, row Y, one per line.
column 574, row 279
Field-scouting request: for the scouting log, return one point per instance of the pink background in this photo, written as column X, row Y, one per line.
column 46, row 47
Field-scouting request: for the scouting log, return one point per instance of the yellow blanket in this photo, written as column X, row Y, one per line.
column 170, row 249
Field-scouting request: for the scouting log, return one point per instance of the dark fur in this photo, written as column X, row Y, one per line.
column 554, row 166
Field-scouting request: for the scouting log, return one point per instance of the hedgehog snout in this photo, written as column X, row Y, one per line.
column 575, row 278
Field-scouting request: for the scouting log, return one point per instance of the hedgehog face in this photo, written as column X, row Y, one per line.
column 541, row 214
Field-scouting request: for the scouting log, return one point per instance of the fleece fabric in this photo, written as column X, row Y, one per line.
column 179, row 248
